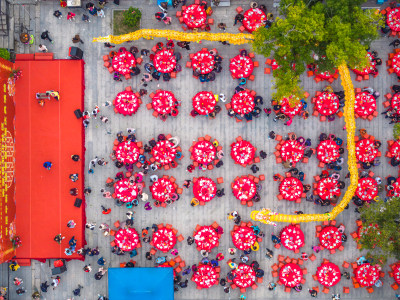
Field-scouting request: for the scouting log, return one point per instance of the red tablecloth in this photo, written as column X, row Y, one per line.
column 367, row 188
column 126, row 103
column 127, row 239
column 206, row 238
column 243, row 238
column 289, row 110
column 125, row 190
column 127, row 152
column 194, row 16
column 164, row 61
column 204, row 61
column 365, row 150
column 365, row 104
column 368, row 69
column 253, row 19
column 327, row 104
column 245, row 276
column 274, row 64
column 163, row 102
column 292, row 151
column 292, row 238
column 327, row 188
column 395, row 103
column 162, row 189
column 328, row 151
column 205, row 276
column 243, row 102
column 204, row 189
column 325, row 75
column 241, row 66
column 396, row 273
column 366, row 274
column 328, row 274
column 242, row 152
column 396, row 63
column 164, row 239
column 204, row 152
column 396, row 190
column 393, row 19
column 204, row 103
column 290, row 275
column 291, row 188
column 163, row 152
column 395, row 150
column 244, row 189
column 330, row 237
column 123, row 61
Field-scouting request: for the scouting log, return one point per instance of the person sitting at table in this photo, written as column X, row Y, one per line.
column 93, row 11
column 166, row 77
column 238, row 18
column 385, row 30
column 243, row 53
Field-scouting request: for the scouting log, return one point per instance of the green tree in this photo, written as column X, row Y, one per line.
column 396, row 131
column 336, row 31
column 4, row 53
column 384, row 242
column 132, row 17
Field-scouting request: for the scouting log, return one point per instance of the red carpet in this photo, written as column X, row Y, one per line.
column 49, row 133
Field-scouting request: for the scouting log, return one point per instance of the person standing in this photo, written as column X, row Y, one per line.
column 43, row 48
column 70, row 16
column 45, row 36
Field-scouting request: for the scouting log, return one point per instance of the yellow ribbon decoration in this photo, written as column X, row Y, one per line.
column 265, row 216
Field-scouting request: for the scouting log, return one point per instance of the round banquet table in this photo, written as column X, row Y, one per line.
column 330, row 237
column 204, row 189
column 287, row 109
column 368, row 69
column 242, row 152
column 243, row 102
column 162, row 189
column 204, row 103
column 328, row 151
column 395, row 103
column 292, row 151
column 367, row 189
column 290, row 275
column 253, row 19
column 365, row 150
column 327, row 188
column 126, row 103
column 328, row 274
column 244, row 189
column 206, row 238
column 245, row 276
column 204, row 152
column 396, row 273
column 164, row 61
column 243, row 238
column 127, row 152
column 163, row 152
column 241, row 67
column 127, row 239
column 291, row 188
column 204, row 61
column 366, row 274
column 365, row 104
column 393, row 19
column 123, row 61
column 163, row 102
column 396, row 63
column 194, row 16
column 327, row 104
column 205, row 276
column 274, row 64
column 125, row 190
column 396, row 190
column 164, row 239
column 325, row 75
column 395, row 150
column 292, row 238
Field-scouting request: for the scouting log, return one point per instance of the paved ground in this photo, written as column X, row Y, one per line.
column 100, row 87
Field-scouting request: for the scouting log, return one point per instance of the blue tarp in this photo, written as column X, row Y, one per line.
column 161, row 1
column 140, row 283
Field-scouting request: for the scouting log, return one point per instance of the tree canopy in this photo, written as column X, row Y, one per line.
column 336, row 31
column 385, row 241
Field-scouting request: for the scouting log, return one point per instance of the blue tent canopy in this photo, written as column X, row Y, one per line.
column 140, row 283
